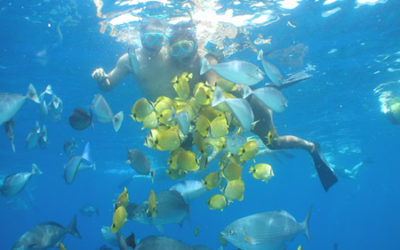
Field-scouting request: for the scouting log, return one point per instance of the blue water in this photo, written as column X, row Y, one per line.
column 337, row 108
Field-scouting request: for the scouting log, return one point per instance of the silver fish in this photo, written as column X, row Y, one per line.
column 88, row 210
column 46, row 235
column 190, row 189
column 234, row 142
column 239, row 72
column 32, row 139
column 9, row 127
column 78, row 163
column 15, row 183
column 265, row 231
column 271, row 70
column 240, row 108
column 271, row 97
column 104, row 114
column 11, row 103
column 161, row 243
column 43, row 137
column 171, row 208
column 139, row 162
column 55, row 108
column 43, row 104
column 109, row 236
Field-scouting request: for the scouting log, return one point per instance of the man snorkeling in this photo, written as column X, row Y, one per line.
column 157, row 65
column 393, row 112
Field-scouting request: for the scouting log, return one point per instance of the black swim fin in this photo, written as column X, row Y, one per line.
column 326, row 174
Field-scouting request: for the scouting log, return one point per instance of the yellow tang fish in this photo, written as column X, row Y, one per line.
column 169, row 139
column 198, row 141
column 262, row 171
column 163, row 103
column 219, row 127
column 202, row 94
column 196, row 231
column 123, row 199
column 203, row 164
column 202, row 125
column 211, row 113
column 217, row 201
column 175, row 174
column 249, row 150
column 141, row 109
column 166, row 117
column 119, row 219
column 152, row 204
column 181, row 87
column 212, row 180
column 299, row 247
column 234, row 190
column 225, row 85
column 232, row 171
column 218, row 143
column 62, row 247
column 150, row 121
column 186, row 160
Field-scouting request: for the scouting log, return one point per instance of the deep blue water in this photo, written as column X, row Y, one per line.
column 337, row 108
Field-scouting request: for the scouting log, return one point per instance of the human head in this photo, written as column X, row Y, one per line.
column 152, row 34
column 183, row 42
column 394, row 113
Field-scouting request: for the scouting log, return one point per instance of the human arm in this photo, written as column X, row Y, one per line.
column 107, row 82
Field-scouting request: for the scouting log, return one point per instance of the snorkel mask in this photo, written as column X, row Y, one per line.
column 181, row 47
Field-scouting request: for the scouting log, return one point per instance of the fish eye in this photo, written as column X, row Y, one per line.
column 113, row 225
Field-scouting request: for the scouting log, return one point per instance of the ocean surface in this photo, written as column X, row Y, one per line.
column 351, row 47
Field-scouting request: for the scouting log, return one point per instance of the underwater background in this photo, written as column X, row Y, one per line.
column 59, row 43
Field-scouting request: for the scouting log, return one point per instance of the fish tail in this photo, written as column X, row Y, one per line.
column 72, row 228
column 205, row 66
column 306, row 222
column 117, row 120
column 260, row 55
column 35, row 169
column 247, row 91
column 218, row 97
column 32, row 93
column 86, row 153
column 48, row 91
column 152, row 174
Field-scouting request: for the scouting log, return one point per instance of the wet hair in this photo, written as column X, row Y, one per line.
column 184, row 31
column 146, row 24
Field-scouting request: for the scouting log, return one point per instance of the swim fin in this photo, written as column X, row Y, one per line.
column 325, row 173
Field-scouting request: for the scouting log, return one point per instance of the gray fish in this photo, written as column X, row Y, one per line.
column 109, row 236
column 265, row 231
column 15, row 183
column 80, row 119
column 43, row 104
column 55, row 108
column 239, row 72
column 240, row 108
column 9, row 127
column 43, row 137
column 139, row 162
column 69, row 147
column 88, row 210
column 78, row 163
column 190, row 189
column 234, row 142
column 11, row 103
column 104, row 114
column 161, row 243
column 46, row 235
column 32, row 139
column 270, row 96
column 271, row 70
column 171, row 208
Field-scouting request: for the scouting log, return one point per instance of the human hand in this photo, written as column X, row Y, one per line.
column 101, row 77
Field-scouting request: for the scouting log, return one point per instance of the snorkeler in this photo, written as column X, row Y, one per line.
column 394, row 113
column 181, row 55
column 154, row 65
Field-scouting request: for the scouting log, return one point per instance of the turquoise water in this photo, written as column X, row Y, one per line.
column 60, row 44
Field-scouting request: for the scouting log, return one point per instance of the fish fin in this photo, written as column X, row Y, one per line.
column 32, row 93
column 260, row 55
column 294, row 78
column 72, row 228
column 205, row 66
column 326, row 175
column 35, row 169
column 160, row 228
column 306, row 222
column 247, row 91
column 86, row 153
column 117, row 120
